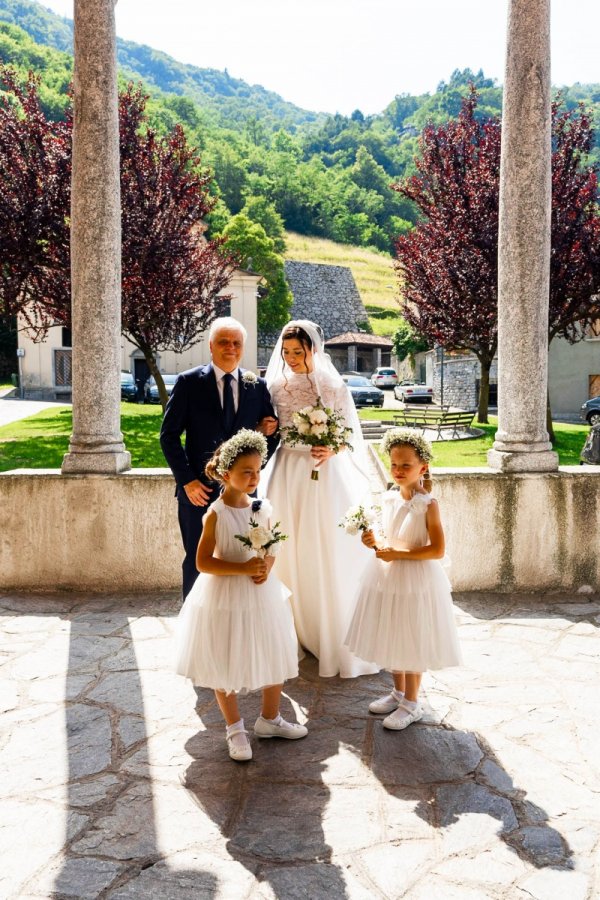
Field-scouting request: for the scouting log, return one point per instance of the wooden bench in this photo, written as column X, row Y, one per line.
column 437, row 420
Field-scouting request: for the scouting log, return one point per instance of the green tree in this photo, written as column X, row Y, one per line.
column 407, row 342
column 253, row 249
column 260, row 210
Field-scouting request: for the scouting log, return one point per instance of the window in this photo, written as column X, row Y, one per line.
column 62, row 368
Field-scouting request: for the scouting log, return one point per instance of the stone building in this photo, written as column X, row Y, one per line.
column 328, row 296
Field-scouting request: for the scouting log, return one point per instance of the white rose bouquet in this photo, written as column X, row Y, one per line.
column 318, row 426
column 261, row 539
column 358, row 519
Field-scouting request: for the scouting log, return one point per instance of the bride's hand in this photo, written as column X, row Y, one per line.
column 321, row 454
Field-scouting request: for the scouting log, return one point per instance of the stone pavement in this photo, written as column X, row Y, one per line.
column 114, row 785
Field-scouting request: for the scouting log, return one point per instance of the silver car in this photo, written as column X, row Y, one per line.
column 384, row 377
column 411, row 392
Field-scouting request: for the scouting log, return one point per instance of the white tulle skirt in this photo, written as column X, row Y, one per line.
column 320, row 563
column 234, row 635
column 404, row 618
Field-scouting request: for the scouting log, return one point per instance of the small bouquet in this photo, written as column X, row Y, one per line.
column 358, row 518
column 318, row 426
column 261, row 539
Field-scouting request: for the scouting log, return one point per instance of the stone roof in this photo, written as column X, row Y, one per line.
column 359, row 337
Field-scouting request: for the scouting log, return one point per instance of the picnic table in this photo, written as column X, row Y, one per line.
column 437, row 420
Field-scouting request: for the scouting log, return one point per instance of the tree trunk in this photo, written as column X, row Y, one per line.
column 160, row 384
column 484, row 391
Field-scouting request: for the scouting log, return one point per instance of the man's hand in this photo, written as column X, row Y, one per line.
column 267, row 426
column 197, row 493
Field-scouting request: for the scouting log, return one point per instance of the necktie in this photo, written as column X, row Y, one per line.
column 228, row 405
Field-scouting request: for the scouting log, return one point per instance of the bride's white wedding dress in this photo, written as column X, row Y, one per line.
column 320, row 563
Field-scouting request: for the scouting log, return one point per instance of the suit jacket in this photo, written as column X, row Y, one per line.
column 194, row 407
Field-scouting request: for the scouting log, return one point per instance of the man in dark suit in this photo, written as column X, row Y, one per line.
column 210, row 404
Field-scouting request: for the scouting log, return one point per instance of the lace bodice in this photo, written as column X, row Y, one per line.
column 297, row 391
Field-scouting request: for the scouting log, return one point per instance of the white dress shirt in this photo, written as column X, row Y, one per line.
column 235, row 385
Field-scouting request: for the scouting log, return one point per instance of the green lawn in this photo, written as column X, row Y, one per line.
column 40, row 441
column 472, row 453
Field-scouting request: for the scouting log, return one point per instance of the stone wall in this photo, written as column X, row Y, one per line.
column 119, row 533
column 461, row 375
column 324, row 294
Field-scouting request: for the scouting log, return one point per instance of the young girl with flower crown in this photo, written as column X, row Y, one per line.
column 235, row 629
column 404, row 619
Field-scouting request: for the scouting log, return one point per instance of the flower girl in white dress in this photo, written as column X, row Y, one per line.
column 235, row 629
column 404, row 619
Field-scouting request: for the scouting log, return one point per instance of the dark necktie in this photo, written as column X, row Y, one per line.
column 228, row 405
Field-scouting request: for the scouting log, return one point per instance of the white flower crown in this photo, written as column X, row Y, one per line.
column 245, row 441
column 396, row 436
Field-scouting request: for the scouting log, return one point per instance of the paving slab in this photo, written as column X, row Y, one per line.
column 117, row 784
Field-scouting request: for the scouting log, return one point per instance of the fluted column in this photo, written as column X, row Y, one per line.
column 522, row 443
column 96, row 443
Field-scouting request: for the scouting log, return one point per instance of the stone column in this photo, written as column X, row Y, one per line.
column 96, row 443
column 522, row 443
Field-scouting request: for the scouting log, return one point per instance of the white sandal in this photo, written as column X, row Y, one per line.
column 238, row 743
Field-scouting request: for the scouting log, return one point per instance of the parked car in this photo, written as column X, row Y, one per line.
column 152, row 390
column 363, row 392
column 413, row 392
column 384, row 377
column 590, row 411
column 128, row 387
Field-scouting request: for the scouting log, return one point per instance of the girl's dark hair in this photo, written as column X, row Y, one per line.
column 296, row 333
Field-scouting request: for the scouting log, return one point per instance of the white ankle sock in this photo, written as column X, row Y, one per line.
column 399, row 695
column 274, row 721
column 412, row 704
column 237, row 726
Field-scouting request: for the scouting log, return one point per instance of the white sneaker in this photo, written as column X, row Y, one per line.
column 238, row 743
column 386, row 704
column 404, row 716
column 264, row 728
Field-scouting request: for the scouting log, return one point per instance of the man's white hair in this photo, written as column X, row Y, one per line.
column 226, row 322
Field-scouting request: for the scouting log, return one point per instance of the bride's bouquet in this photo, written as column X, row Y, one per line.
column 261, row 539
column 318, row 426
column 359, row 518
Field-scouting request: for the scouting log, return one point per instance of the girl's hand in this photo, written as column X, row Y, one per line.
column 368, row 539
column 260, row 579
column 256, row 568
column 386, row 554
column 321, row 454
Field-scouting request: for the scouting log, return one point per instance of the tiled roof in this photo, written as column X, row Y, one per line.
column 359, row 337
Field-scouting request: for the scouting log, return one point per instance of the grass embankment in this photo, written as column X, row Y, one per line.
column 373, row 273
column 40, row 441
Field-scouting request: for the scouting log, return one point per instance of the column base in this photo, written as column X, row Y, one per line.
column 522, row 461
column 104, row 463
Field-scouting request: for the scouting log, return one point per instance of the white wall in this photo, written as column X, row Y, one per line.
column 38, row 362
column 120, row 533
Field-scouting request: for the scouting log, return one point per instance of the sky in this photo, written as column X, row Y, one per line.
column 342, row 55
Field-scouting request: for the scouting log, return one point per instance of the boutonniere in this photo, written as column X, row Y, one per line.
column 256, row 505
column 249, row 379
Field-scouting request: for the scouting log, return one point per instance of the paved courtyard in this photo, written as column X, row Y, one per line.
column 116, row 782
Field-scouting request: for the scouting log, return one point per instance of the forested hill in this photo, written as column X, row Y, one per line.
column 228, row 100
column 326, row 176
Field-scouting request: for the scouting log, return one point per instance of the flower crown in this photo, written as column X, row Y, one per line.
column 245, row 441
column 396, row 436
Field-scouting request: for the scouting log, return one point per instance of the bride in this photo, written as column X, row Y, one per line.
column 320, row 563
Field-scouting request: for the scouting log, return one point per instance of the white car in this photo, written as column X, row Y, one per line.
column 384, row 377
column 410, row 392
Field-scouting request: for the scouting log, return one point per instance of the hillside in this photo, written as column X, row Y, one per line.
column 228, row 101
column 325, row 176
column 373, row 273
